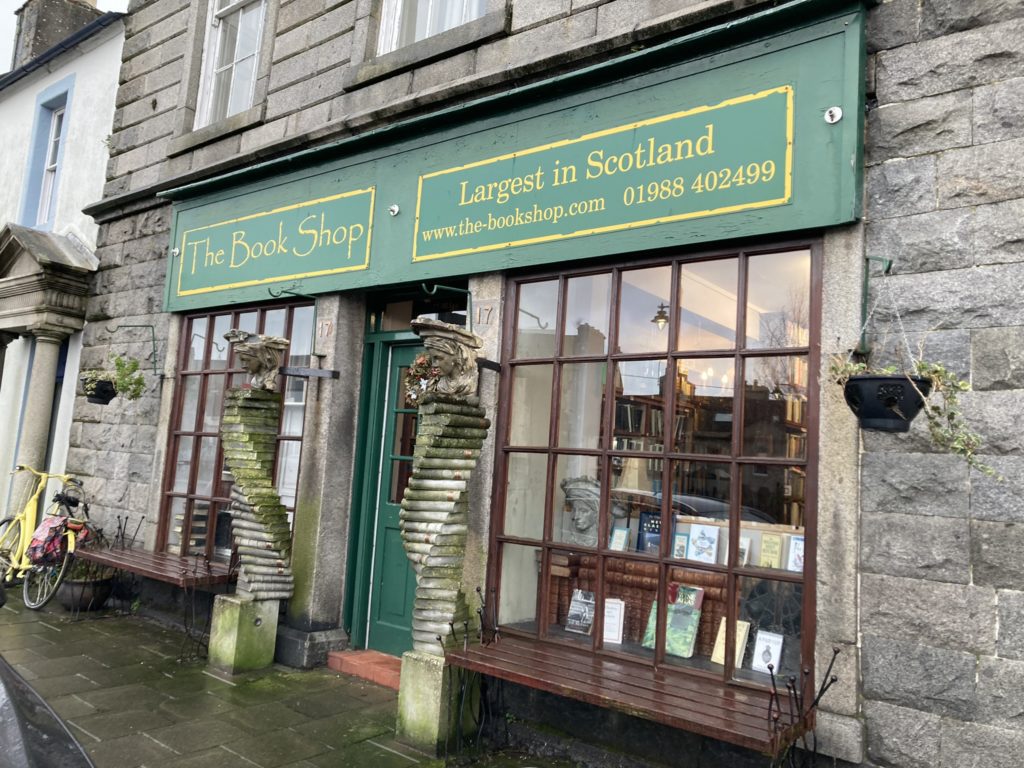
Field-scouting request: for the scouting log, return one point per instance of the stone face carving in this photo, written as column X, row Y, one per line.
column 260, row 356
column 452, row 351
column 583, row 495
column 259, row 522
column 450, row 432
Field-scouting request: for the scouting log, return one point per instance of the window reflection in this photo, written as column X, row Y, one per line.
column 586, row 315
column 704, row 405
column 196, row 345
column 707, row 305
column 774, row 411
column 581, row 407
column 524, row 495
column 643, row 320
column 218, row 344
column 535, row 320
column 517, row 604
column 639, row 420
column 778, row 300
column 530, row 420
column 777, row 493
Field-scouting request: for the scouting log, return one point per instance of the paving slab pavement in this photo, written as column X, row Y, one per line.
column 118, row 684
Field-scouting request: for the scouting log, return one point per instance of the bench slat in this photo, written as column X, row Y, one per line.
column 692, row 703
column 161, row 566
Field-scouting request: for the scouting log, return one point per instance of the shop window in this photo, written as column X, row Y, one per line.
column 230, row 58
column 195, row 516
column 656, row 463
column 403, row 22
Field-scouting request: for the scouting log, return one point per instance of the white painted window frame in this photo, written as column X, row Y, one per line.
column 211, row 53
column 51, row 167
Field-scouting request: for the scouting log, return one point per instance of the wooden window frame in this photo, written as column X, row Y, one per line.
column 736, row 460
column 215, row 500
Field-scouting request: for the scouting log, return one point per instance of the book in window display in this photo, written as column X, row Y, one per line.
column 580, row 618
column 742, row 632
column 619, row 539
column 680, row 543
column 703, row 545
column 771, row 550
column 682, row 620
column 649, row 537
column 614, row 619
column 743, row 558
column 767, row 651
column 795, row 561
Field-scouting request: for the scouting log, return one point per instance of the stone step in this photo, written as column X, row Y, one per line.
column 377, row 667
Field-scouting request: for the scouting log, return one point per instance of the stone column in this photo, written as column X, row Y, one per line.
column 5, row 339
column 244, row 628
column 434, row 522
column 324, row 495
column 35, row 426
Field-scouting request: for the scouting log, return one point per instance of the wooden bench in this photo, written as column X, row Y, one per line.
column 184, row 572
column 729, row 713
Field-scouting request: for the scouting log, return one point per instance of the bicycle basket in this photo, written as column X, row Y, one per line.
column 47, row 546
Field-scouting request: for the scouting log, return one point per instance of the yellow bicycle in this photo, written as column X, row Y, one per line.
column 40, row 581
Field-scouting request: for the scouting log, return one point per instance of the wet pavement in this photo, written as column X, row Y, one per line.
column 117, row 682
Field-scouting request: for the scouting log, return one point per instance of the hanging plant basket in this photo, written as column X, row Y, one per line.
column 886, row 403
column 102, row 392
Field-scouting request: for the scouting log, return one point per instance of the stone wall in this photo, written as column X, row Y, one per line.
column 118, row 449
column 314, row 95
column 920, row 574
column 941, row 574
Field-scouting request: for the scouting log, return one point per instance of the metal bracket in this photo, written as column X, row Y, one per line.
column 887, row 264
column 152, row 338
column 469, row 299
column 319, row 373
column 291, row 291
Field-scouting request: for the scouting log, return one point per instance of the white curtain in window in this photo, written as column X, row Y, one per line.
column 403, row 22
column 233, row 52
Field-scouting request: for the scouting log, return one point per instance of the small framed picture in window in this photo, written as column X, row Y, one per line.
column 619, row 539
column 680, row 543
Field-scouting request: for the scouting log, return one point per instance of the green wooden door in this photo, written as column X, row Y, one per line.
column 393, row 582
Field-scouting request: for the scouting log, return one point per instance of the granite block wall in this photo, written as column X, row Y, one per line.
column 941, row 580
column 929, row 602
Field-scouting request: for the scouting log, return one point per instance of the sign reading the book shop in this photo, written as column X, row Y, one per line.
column 326, row 236
column 707, row 161
column 665, row 148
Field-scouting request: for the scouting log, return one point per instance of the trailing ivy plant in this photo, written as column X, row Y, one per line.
column 126, row 377
column 946, row 425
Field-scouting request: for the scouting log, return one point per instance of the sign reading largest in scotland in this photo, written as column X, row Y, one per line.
column 700, row 162
column 326, row 236
column 663, row 150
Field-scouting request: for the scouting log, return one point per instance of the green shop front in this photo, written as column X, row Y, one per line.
column 640, row 246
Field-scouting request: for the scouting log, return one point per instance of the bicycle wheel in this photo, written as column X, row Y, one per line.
column 10, row 540
column 42, row 581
